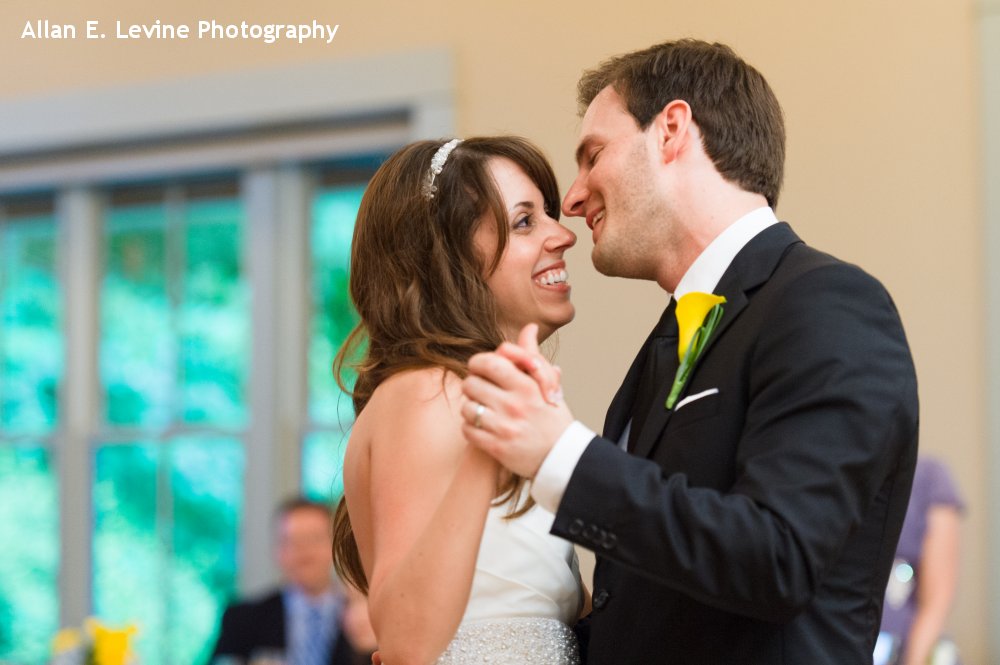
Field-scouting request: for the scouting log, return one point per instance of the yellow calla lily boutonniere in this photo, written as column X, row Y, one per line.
column 698, row 314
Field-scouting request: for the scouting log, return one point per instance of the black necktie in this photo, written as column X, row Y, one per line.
column 661, row 360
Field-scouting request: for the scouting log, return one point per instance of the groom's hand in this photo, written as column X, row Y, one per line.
column 507, row 413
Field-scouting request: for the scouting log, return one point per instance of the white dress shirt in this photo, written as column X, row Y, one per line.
column 703, row 275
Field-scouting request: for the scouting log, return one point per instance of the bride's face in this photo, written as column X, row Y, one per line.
column 530, row 283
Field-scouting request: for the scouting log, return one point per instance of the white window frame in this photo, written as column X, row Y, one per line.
column 263, row 125
column 990, row 50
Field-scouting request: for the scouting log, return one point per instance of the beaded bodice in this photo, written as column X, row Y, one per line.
column 517, row 641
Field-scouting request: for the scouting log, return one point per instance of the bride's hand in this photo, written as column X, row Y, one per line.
column 527, row 357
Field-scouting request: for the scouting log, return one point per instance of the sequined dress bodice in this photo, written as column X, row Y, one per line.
column 525, row 596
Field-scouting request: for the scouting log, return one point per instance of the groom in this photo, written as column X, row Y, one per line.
column 746, row 512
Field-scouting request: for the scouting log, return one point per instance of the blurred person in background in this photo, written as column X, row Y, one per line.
column 924, row 574
column 305, row 620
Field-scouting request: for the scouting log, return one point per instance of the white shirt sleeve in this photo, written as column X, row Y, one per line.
column 557, row 467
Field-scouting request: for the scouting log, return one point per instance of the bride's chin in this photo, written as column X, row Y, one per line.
column 546, row 330
column 566, row 317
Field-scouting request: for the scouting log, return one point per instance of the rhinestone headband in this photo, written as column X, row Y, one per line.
column 437, row 165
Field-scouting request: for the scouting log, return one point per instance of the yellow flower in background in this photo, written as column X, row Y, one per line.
column 96, row 644
column 65, row 640
column 692, row 308
column 111, row 646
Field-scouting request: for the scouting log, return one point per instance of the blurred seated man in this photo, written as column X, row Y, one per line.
column 299, row 623
column 924, row 575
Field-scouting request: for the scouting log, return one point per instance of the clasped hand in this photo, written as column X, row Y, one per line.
column 514, row 409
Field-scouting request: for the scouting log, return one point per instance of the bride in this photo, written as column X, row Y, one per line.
column 456, row 248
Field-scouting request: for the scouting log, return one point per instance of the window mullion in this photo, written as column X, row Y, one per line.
column 295, row 187
column 78, row 212
column 260, row 191
column 174, row 271
column 990, row 53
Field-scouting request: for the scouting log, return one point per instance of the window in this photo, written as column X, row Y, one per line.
column 170, row 314
column 331, row 412
column 31, row 355
column 168, row 469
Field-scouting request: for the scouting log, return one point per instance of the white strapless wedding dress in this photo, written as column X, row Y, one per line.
column 525, row 596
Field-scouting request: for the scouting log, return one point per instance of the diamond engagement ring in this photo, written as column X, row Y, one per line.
column 478, row 420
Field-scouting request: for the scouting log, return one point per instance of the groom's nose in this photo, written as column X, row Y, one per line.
column 576, row 196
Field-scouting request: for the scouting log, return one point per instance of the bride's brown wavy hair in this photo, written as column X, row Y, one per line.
column 419, row 283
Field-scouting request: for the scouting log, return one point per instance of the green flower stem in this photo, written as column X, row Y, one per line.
column 698, row 342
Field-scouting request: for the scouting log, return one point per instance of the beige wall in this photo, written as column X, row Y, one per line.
column 883, row 163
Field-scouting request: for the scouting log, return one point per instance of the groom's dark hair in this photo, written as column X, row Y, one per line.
column 741, row 123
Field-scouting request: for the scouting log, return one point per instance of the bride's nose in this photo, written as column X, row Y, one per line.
column 560, row 238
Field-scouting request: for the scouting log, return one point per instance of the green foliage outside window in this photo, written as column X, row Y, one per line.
column 29, row 611
column 174, row 360
column 165, row 541
column 31, row 359
column 333, row 318
column 173, row 363
column 31, row 351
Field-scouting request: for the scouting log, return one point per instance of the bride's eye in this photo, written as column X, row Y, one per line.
column 522, row 222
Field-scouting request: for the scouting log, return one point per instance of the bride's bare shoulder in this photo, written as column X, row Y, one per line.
column 413, row 419
column 418, row 389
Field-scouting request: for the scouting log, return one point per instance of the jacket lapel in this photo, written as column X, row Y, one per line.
column 621, row 406
column 751, row 267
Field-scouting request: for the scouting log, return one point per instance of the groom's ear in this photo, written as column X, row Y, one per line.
column 672, row 128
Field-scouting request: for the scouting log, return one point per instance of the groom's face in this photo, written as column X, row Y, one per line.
column 616, row 190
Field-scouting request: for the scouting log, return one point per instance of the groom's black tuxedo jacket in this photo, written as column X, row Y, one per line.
column 758, row 524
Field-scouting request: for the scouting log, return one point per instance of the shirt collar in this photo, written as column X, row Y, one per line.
column 298, row 600
column 706, row 271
